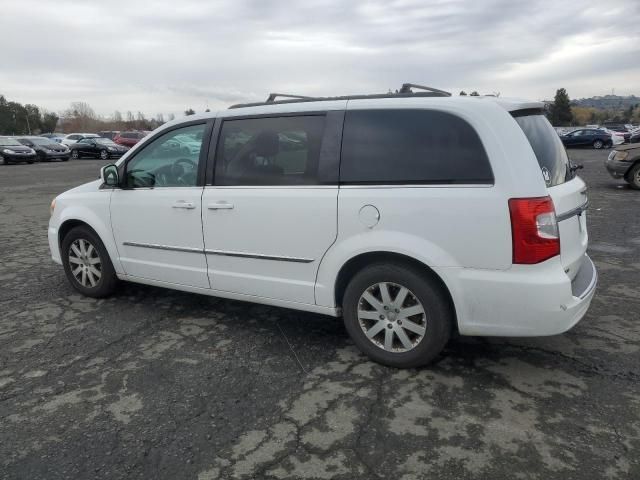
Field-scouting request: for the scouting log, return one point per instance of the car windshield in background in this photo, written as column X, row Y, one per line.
column 9, row 142
column 547, row 146
column 42, row 141
column 105, row 141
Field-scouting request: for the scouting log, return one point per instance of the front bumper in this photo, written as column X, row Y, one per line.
column 524, row 301
column 19, row 157
column 616, row 168
column 57, row 155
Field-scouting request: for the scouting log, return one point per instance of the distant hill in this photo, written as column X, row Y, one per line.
column 608, row 102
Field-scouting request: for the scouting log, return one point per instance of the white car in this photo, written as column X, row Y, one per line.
column 617, row 138
column 76, row 137
column 411, row 215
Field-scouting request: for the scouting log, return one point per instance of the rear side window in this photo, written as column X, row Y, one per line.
column 549, row 150
column 411, row 146
column 269, row 151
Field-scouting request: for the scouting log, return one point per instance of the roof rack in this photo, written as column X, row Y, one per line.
column 405, row 91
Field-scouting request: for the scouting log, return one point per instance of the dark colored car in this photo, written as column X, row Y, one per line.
column 635, row 137
column 587, row 137
column 46, row 149
column 128, row 139
column 624, row 162
column 12, row 151
column 98, row 148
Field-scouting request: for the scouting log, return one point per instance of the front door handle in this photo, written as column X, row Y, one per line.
column 183, row 204
column 220, row 206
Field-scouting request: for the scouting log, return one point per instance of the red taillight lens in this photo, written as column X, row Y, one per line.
column 534, row 230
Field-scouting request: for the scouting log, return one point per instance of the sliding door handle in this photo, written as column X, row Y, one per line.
column 220, row 206
column 183, row 204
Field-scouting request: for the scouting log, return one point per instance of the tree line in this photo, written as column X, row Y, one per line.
column 18, row 119
column 562, row 113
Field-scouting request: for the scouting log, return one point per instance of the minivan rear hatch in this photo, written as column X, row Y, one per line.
column 568, row 191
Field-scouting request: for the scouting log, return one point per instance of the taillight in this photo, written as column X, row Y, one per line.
column 534, row 229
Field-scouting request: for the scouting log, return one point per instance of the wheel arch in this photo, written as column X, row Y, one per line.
column 358, row 262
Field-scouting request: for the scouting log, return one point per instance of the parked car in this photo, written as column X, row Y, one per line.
column 45, row 148
column 617, row 138
column 110, row 134
column 587, row 137
column 97, row 147
column 128, row 139
column 347, row 207
column 12, row 151
column 72, row 138
column 620, row 129
column 624, row 162
column 635, row 136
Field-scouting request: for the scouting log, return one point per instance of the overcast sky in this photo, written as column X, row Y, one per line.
column 166, row 56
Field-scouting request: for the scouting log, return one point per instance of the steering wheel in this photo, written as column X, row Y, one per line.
column 179, row 172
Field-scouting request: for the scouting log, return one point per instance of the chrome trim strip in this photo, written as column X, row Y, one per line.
column 259, row 256
column 573, row 212
column 163, row 247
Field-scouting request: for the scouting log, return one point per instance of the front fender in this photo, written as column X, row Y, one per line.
column 93, row 210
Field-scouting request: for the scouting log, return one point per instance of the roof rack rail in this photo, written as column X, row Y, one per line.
column 272, row 97
column 405, row 91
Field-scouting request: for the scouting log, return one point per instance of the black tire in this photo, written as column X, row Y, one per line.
column 108, row 280
column 438, row 314
column 104, row 155
column 633, row 176
column 598, row 144
column 75, row 154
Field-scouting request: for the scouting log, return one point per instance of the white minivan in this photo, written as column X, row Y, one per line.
column 412, row 215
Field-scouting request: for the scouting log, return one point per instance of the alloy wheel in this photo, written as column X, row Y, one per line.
column 85, row 263
column 392, row 317
column 104, row 155
column 597, row 144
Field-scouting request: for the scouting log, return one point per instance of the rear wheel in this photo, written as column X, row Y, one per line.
column 87, row 263
column 397, row 315
column 633, row 176
column 598, row 144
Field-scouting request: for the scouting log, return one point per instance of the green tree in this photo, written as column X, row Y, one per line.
column 463, row 93
column 49, row 122
column 189, row 111
column 561, row 109
column 474, row 94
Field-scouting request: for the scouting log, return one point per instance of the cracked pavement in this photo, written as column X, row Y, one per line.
column 153, row 383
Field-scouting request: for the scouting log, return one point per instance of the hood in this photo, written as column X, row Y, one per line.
column 15, row 148
column 628, row 146
column 85, row 187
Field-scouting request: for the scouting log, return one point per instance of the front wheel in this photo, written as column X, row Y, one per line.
column 397, row 315
column 75, row 155
column 87, row 264
column 598, row 144
column 104, row 155
column 633, row 177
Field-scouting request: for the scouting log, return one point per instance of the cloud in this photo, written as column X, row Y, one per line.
column 165, row 56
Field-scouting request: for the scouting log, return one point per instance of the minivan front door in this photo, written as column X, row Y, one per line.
column 271, row 215
column 156, row 217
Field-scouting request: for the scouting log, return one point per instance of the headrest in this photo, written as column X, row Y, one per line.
column 267, row 144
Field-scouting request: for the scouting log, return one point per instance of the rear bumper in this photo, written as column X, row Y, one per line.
column 526, row 300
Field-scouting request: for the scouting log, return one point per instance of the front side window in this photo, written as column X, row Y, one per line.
column 269, row 151
column 411, row 146
column 169, row 161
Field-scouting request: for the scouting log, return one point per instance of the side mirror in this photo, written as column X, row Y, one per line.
column 109, row 175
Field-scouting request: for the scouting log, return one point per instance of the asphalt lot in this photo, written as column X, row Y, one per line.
column 153, row 383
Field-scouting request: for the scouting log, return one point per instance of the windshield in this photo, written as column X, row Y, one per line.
column 547, row 146
column 42, row 141
column 104, row 141
column 10, row 142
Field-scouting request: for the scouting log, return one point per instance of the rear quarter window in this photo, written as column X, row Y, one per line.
column 547, row 146
column 413, row 147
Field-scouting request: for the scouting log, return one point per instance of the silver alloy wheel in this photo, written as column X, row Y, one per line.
column 104, row 154
column 597, row 144
column 75, row 154
column 392, row 317
column 85, row 263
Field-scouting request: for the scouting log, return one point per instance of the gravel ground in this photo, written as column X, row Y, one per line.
column 153, row 383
